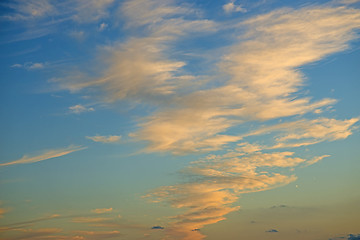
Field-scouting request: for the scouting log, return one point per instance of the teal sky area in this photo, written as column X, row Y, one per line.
column 179, row 120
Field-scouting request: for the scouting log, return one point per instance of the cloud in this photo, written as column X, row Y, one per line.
column 78, row 35
column 272, row 231
column 141, row 68
column 354, row 237
column 77, row 109
column 103, row 26
column 218, row 183
column 348, row 237
column 280, row 206
column 89, row 219
column 102, row 210
column 91, row 10
column 49, row 154
column 105, row 139
column 157, row 227
column 99, row 234
column 30, row 10
column 259, row 88
column 29, row 66
column 230, row 7
column 42, row 233
column 303, row 133
column 79, row 10
column 3, row 211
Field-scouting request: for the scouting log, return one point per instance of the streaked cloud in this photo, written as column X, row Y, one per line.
column 46, row 155
column 29, row 65
column 348, row 237
column 105, row 139
column 2, row 212
column 30, row 9
column 90, row 219
column 42, row 233
column 91, row 10
column 231, row 7
column 218, row 183
column 259, row 88
column 99, row 234
column 77, row 109
column 102, row 210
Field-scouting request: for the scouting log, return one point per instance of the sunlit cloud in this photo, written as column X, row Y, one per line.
column 30, row 10
column 89, row 219
column 77, row 109
column 45, row 155
column 103, row 26
column 105, row 139
column 231, row 7
column 42, row 233
column 91, row 10
column 253, row 78
column 219, row 182
column 99, row 234
column 102, row 210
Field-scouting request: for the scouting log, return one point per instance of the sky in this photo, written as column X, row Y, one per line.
column 180, row 120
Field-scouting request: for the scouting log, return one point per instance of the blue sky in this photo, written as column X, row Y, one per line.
column 144, row 119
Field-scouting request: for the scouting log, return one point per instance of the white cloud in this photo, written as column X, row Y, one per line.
column 77, row 109
column 29, row 65
column 230, row 7
column 45, row 156
column 103, row 26
column 105, row 139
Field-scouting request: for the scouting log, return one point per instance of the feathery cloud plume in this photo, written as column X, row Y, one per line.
column 45, row 156
column 99, row 234
column 105, row 139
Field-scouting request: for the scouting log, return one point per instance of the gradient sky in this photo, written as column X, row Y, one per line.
column 184, row 120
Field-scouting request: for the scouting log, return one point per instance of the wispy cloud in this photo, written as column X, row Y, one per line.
column 231, row 7
column 99, row 234
column 29, row 65
column 218, row 182
column 89, row 219
column 140, row 68
column 259, row 88
column 49, row 154
column 30, row 10
column 102, row 210
column 77, row 109
column 105, row 139
column 103, row 26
